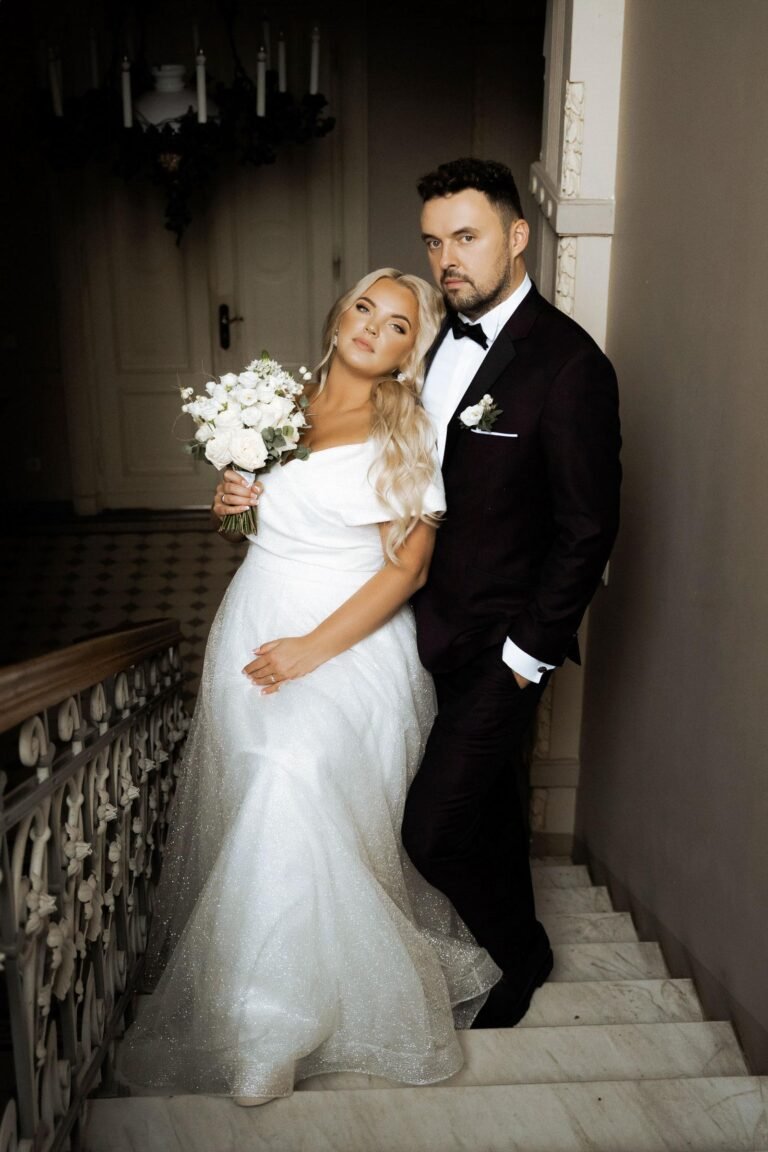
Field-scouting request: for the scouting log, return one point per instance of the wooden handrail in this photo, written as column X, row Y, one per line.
column 33, row 685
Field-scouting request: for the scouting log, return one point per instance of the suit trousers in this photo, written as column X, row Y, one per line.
column 465, row 825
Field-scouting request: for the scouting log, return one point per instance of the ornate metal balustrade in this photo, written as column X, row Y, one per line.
column 93, row 736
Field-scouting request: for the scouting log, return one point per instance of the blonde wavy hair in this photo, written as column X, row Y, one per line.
column 405, row 464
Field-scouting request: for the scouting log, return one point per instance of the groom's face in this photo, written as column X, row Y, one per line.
column 476, row 258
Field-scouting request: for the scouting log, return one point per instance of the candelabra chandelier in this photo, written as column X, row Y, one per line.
column 143, row 122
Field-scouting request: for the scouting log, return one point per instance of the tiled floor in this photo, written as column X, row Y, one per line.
column 63, row 584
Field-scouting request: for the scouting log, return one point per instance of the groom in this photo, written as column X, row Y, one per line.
column 526, row 408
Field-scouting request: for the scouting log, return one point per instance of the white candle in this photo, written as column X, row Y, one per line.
column 261, row 83
column 94, row 52
column 314, row 63
column 202, row 100
column 266, row 41
column 54, row 76
column 126, row 86
column 282, row 82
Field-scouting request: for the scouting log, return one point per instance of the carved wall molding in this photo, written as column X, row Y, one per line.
column 570, row 215
column 565, row 280
column 573, row 138
column 544, row 724
column 537, row 816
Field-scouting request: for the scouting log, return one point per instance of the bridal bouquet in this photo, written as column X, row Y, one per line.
column 248, row 421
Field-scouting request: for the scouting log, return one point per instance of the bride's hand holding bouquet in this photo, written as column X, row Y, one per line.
column 248, row 421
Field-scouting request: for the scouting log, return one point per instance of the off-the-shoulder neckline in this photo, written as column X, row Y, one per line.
column 336, row 447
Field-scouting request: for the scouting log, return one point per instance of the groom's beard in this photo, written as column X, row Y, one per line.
column 475, row 299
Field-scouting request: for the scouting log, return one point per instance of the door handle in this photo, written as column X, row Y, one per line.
column 224, row 322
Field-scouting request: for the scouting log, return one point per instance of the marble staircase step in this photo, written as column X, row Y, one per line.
column 568, row 1055
column 613, row 1056
column 595, row 1001
column 708, row 1114
column 553, row 900
column 561, row 876
column 560, row 1055
column 592, row 962
column 616, row 961
column 589, row 927
column 613, row 1002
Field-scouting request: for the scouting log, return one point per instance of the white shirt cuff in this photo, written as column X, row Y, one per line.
column 526, row 666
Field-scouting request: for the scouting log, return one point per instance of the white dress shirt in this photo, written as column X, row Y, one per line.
column 453, row 368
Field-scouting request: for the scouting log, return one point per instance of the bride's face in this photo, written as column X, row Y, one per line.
column 378, row 331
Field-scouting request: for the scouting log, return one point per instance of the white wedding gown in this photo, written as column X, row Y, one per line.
column 293, row 934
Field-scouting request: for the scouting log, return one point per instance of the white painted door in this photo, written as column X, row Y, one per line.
column 150, row 336
column 265, row 248
column 273, row 259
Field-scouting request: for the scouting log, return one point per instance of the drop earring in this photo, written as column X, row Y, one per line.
column 335, row 339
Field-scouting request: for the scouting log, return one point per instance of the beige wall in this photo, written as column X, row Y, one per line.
column 674, row 796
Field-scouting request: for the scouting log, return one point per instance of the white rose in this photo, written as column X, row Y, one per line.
column 276, row 412
column 204, row 432
column 245, row 396
column 204, row 409
column 251, row 417
column 229, row 418
column 265, row 390
column 229, row 379
column 298, row 419
column 248, row 379
column 218, row 451
column 248, row 449
column 472, row 416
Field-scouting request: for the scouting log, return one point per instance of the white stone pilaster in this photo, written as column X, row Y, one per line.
column 573, row 183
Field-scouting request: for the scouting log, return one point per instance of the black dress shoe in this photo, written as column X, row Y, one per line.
column 509, row 1000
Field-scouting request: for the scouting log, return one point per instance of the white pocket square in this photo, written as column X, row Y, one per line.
column 483, row 432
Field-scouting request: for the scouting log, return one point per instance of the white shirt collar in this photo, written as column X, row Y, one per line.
column 494, row 321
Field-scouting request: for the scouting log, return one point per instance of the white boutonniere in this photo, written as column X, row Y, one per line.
column 482, row 416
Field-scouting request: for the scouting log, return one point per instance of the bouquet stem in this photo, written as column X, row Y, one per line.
column 240, row 523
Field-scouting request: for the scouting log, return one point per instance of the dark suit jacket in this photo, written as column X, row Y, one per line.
column 531, row 519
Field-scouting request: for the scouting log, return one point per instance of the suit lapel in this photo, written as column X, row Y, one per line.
column 445, row 328
column 500, row 356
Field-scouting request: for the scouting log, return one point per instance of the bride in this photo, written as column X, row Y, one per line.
column 291, row 935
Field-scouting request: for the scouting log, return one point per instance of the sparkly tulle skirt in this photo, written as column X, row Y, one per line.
column 291, row 935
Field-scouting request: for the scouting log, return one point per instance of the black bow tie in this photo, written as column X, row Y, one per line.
column 473, row 331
